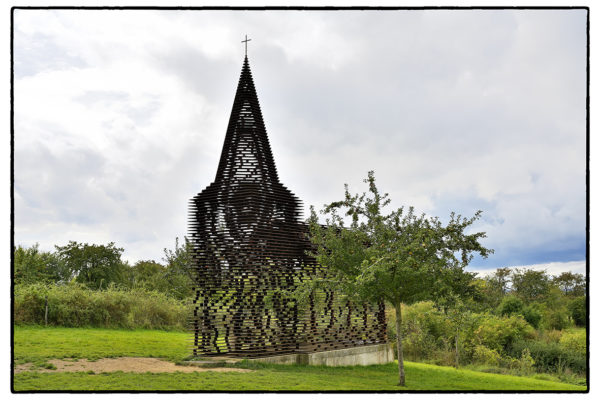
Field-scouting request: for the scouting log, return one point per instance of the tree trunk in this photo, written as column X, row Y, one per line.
column 401, row 381
column 46, row 312
column 456, row 347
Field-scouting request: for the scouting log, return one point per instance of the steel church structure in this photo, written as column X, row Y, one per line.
column 249, row 248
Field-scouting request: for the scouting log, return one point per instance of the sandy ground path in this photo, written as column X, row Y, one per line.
column 124, row 364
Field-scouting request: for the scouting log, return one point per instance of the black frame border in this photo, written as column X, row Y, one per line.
column 294, row 8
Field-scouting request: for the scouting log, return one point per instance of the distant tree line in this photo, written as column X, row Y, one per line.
column 552, row 301
column 98, row 266
column 557, row 301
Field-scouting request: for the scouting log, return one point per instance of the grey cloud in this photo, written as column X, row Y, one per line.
column 455, row 110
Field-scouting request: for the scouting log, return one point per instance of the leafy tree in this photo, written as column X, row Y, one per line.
column 510, row 305
column 532, row 314
column 32, row 265
column 531, row 285
column 457, row 315
column 578, row 311
column 93, row 265
column 398, row 257
column 178, row 273
column 150, row 275
column 500, row 280
column 485, row 297
column 571, row 284
column 556, row 318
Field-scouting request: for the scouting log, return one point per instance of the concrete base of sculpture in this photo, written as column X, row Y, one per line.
column 363, row 355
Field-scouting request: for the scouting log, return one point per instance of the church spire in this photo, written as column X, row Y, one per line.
column 246, row 154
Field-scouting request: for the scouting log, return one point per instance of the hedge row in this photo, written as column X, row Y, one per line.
column 74, row 305
column 551, row 357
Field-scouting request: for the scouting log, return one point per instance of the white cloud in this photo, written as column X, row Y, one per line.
column 552, row 268
column 120, row 118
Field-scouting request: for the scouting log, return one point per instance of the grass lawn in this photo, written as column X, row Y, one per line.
column 35, row 344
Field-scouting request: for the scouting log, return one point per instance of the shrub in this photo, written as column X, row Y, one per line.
column 574, row 342
column 551, row 336
column 533, row 315
column 556, row 318
column 499, row 333
column 74, row 305
column 550, row 357
column 486, row 356
column 424, row 330
column 510, row 305
column 526, row 362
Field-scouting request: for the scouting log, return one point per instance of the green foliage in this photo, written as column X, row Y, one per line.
column 526, row 362
column 145, row 272
column 426, row 331
column 533, row 315
column 570, row 283
column 550, row 336
column 578, row 311
column 178, row 274
column 93, row 265
column 498, row 333
column 574, row 341
column 75, row 305
column 530, row 285
column 556, row 318
column 486, row 356
column 550, row 357
column 510, row 305
column 98, row 266
column 497, row 286
column 484, row 296
column 149, row 275
column 398, row 257
column 32, row 265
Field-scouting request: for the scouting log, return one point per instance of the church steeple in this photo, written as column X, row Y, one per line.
column 246, row 154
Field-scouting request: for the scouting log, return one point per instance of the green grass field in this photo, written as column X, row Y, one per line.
column 35, row 344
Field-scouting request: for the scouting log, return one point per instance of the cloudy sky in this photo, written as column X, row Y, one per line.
column 119, row 119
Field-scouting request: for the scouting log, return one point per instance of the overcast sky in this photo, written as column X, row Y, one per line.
column 120, row 117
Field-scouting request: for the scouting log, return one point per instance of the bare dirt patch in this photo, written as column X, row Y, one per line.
column 124, row 364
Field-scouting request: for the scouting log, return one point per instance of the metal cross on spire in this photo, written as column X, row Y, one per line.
column 246, row 44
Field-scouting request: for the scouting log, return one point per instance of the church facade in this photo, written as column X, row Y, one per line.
column 249, row 251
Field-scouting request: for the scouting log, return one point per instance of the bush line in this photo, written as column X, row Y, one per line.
column 74, row 305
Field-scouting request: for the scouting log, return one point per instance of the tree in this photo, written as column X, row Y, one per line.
column 532, row 314
column 178, row 272
column 501, row 279
column 498, row 286
column 457, row 313
column 93, row 265
column 531, row 285
column 32, row 265
column 484, row 296
column 571, row 284
column 397, row 257
column 578, row 310
column 511, row 305
column 150, row 275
